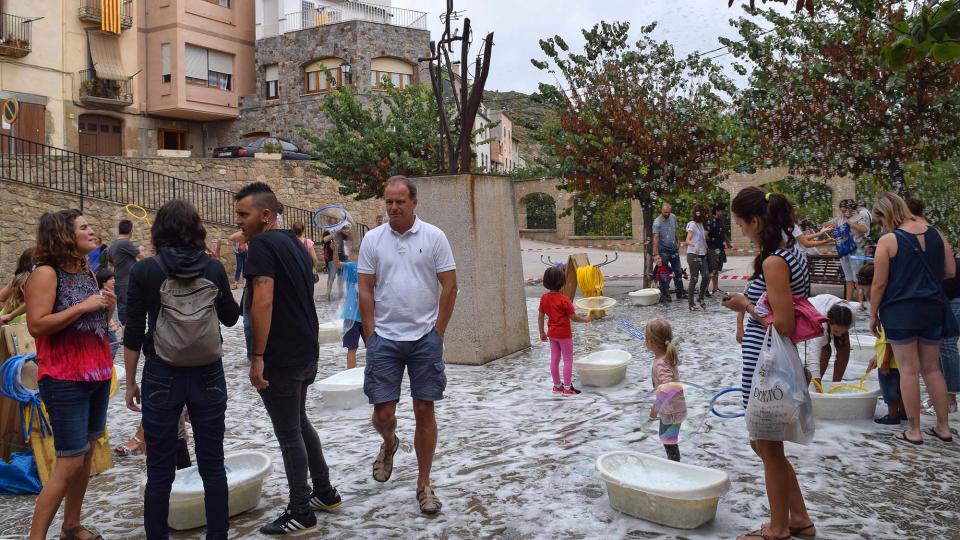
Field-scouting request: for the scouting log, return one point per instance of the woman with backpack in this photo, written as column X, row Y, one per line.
column 175, row 304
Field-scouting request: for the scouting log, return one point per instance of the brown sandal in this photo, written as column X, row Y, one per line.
column 429, row 502
column 75, row 532
column 798, row 532
column 383, row 465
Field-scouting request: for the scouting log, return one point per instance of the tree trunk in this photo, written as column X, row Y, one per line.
column 897, row 180
column 647, row 210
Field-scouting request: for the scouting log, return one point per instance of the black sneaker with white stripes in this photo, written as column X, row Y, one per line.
column 328, row 499
column 290, row 523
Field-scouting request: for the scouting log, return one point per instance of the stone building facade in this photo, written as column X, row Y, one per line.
column 290, row 106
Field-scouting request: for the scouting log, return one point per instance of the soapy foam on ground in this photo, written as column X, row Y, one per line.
column 504, row 436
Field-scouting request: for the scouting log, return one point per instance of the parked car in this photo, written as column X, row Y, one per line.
column 249, row 147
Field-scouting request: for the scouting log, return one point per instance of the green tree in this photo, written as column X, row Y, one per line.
column 634, row 121
column 376, row 136
column 820, row 103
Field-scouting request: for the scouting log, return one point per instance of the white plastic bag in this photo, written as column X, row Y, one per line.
column 779, row 408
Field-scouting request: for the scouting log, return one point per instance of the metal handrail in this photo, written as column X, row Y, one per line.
column 97, row 178
column 93, row 86
column 350, row 11
column 15, row 32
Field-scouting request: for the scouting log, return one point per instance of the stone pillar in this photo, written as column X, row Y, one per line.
column 565, row 226
column 477, row 214
column 636, row 219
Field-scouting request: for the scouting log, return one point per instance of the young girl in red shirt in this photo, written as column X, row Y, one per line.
column 559, row 311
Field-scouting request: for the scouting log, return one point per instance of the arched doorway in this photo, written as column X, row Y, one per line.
column 541, row 211
column 100, row 135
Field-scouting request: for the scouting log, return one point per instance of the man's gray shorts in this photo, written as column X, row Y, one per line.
column 386, row 360
column 713, row 261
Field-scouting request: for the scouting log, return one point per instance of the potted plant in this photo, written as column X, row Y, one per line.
column 271, row 150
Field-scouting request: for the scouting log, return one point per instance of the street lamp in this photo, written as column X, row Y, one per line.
column 345, row 70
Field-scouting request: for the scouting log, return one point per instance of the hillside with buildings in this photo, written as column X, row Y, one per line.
column 527, row 115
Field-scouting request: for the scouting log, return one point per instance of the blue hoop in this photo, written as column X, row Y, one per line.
column 713, row 402
column 632, row 330
column 337, row 225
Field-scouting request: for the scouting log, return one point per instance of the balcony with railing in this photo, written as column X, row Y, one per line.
column 104, row 92
column 14, row 35
column 90, row 12
column 343, row 12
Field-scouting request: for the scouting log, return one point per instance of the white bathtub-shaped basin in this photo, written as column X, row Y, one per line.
column 331, row 331
column 603, row 368
column 245, row 474
column 645, row 297
column 845, row 404
column 662, row 491
column 344, row 390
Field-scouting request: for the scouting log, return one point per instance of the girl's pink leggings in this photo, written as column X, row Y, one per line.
column 558, row 347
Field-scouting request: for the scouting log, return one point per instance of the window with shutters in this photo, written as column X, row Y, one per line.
column 322, row 76
column 272, row 78
column 390, row 71
column 207, row 67
column 165, row 62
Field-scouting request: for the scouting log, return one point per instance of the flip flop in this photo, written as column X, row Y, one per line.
column 902, row 436
column 798, row 532
column 762, row 536
column 75, row 532
column 931, row 431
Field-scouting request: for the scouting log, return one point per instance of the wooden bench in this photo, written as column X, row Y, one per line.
column 825, row 269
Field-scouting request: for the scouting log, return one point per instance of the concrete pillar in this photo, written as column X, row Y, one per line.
column 636, row 218
column 477, row 214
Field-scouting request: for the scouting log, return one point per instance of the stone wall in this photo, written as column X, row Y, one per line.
column 297, row 185
column 356, row 42
column 23, row 205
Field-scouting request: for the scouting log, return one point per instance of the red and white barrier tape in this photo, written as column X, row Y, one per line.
column 745, row 251
column 728, row 277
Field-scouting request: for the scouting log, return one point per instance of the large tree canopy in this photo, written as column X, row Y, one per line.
column 635, row 121
column 821, row 103
column 394, row 132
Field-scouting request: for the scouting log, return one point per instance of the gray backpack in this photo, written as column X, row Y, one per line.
column 188, row 329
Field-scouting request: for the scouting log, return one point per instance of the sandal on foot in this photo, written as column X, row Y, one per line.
column 383, row 466
column 760, row 535
column 902, row 436
column 80, row 533
column 429, row 502
column 931, row 431
column 703, row 304
column 799, row 532
column 133, row 447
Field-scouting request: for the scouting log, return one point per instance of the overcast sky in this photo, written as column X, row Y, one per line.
column 518, row 25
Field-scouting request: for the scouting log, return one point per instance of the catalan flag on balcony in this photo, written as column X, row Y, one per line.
column 110, row 16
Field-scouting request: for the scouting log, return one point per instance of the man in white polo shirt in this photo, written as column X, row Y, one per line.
column 408, row 287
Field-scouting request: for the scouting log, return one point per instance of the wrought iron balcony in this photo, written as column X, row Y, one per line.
column 104, row 92
column 90, row 12
column 14, row 35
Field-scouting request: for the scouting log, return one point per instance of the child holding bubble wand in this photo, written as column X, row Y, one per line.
column 669, row 404
column 559, row 310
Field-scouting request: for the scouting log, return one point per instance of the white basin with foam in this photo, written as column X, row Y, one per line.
column 845, row 404
column 344, row 390
column 603, row 368
column 662, row 491
column 245, row 474
column 645, row 297
column 331, row 331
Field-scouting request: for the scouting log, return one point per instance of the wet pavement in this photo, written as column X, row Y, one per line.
column 516, row 461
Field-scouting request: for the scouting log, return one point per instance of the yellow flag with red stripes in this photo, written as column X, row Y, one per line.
column 110, row 16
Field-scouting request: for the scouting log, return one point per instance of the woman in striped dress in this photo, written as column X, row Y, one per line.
column 781, row 271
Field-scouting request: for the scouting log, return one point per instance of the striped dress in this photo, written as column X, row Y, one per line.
column 754, row 332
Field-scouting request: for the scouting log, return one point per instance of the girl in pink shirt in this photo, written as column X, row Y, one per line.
column 669, row 405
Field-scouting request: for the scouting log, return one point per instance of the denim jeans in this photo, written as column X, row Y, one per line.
column 165, row 391
column 671, row 256
column 241, row 259
column 698, row 268
column 950, row 356
column 286, row 402
column 78, row 413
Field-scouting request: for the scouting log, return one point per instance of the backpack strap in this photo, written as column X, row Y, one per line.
column 163, row 267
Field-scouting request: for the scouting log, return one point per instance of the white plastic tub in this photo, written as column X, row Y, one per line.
column 331, row 332
column 645, row 297
column 344, row 390
column 662, row 491
column 845, row 404
column 245, row 474
column 603, row 368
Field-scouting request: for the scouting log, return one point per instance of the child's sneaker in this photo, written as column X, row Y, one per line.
column 328, row 499
column 558, row 389
column 570, row 391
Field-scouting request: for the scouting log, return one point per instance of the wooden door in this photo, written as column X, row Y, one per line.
column 30, row 123
column 100, row 135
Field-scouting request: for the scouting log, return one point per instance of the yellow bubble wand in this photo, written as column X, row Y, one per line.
column 143, row 212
